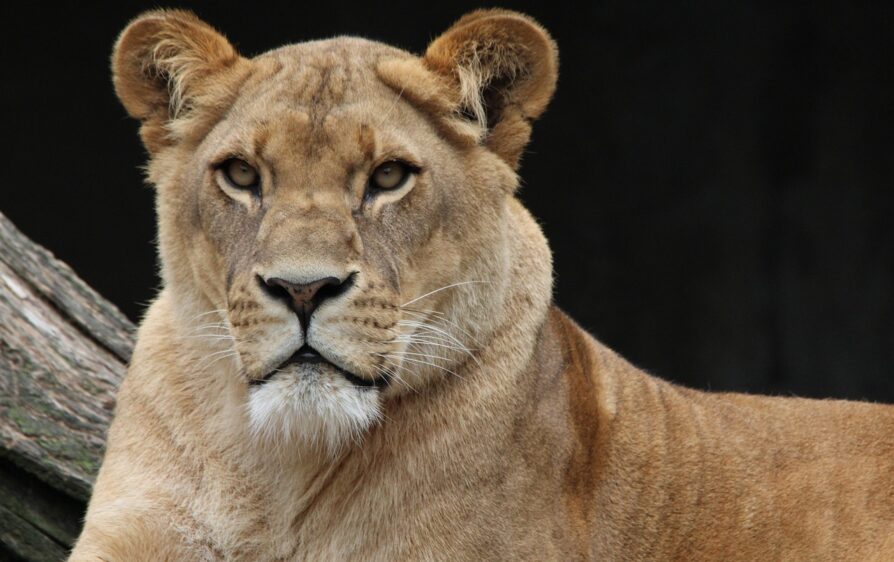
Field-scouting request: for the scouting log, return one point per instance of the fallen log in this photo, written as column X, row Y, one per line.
column 63, row 352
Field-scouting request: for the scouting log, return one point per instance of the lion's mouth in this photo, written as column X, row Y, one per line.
column 307, row 355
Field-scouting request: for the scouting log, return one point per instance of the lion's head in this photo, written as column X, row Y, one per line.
column 332, row 214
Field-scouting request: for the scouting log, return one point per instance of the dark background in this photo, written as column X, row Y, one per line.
column 715, row 177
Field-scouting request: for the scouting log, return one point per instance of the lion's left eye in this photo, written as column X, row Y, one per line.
column 241, row 174
column 389, row 175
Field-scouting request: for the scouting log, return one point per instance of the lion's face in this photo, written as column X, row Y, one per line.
column 317, row 128
column 332, row 224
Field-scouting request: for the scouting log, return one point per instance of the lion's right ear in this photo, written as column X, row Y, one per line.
column 168, row 63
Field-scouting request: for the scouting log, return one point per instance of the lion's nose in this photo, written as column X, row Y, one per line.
column 304, row 298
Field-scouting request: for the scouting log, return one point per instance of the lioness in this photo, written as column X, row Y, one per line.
column 355, row 355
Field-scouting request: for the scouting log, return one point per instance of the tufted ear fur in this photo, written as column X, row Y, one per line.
column 166, row 65
column 502, row 67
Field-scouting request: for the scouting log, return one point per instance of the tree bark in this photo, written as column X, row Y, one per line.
column 63, row 352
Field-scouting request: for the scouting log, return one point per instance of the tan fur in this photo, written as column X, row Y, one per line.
column 506, row 432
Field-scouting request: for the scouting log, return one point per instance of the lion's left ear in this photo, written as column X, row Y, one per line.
column 503, row 67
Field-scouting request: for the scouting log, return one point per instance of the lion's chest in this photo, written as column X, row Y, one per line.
column 286, row 529
column 438, row 512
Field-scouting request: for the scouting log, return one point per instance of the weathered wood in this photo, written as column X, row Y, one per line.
column 63, row 352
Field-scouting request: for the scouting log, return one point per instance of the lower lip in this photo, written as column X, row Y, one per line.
column 303, row 357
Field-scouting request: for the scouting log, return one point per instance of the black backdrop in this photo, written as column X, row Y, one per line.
column 715, row 177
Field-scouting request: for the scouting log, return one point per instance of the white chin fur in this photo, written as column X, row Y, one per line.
column 316, row 409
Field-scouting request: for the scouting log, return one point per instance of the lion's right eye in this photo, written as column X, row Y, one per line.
column 241, row 174
column 389, row 175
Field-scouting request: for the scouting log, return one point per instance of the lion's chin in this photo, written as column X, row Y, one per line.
column 311, row 406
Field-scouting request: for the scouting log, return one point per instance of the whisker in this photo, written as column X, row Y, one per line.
column 419, row 361
column 441, row 317
column 385, row 373
column 211, row 337
column 215, row 311
column 214, row 358
column 218, row 326
column 441, row 289
column 396, row 376
column 429, row 356
column 426, row 341
column 431, row 329
column 223, row 351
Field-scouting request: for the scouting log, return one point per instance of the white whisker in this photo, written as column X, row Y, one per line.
column 213, row 358
column 427, row 355
column 431, row 329
column 216, row 326
column 211, row 337
column 419, row 361
column 441, row 289
column 215, row 311
column 441, row 317
column 396, row 376
column 422, row 340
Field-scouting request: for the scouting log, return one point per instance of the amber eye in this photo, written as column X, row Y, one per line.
column 389, row 175
column 241, row 174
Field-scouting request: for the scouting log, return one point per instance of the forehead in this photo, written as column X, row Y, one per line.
column 317, row 90
column 318, row 78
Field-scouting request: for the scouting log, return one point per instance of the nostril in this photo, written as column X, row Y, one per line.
column 335, row 288
column 276, row 291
